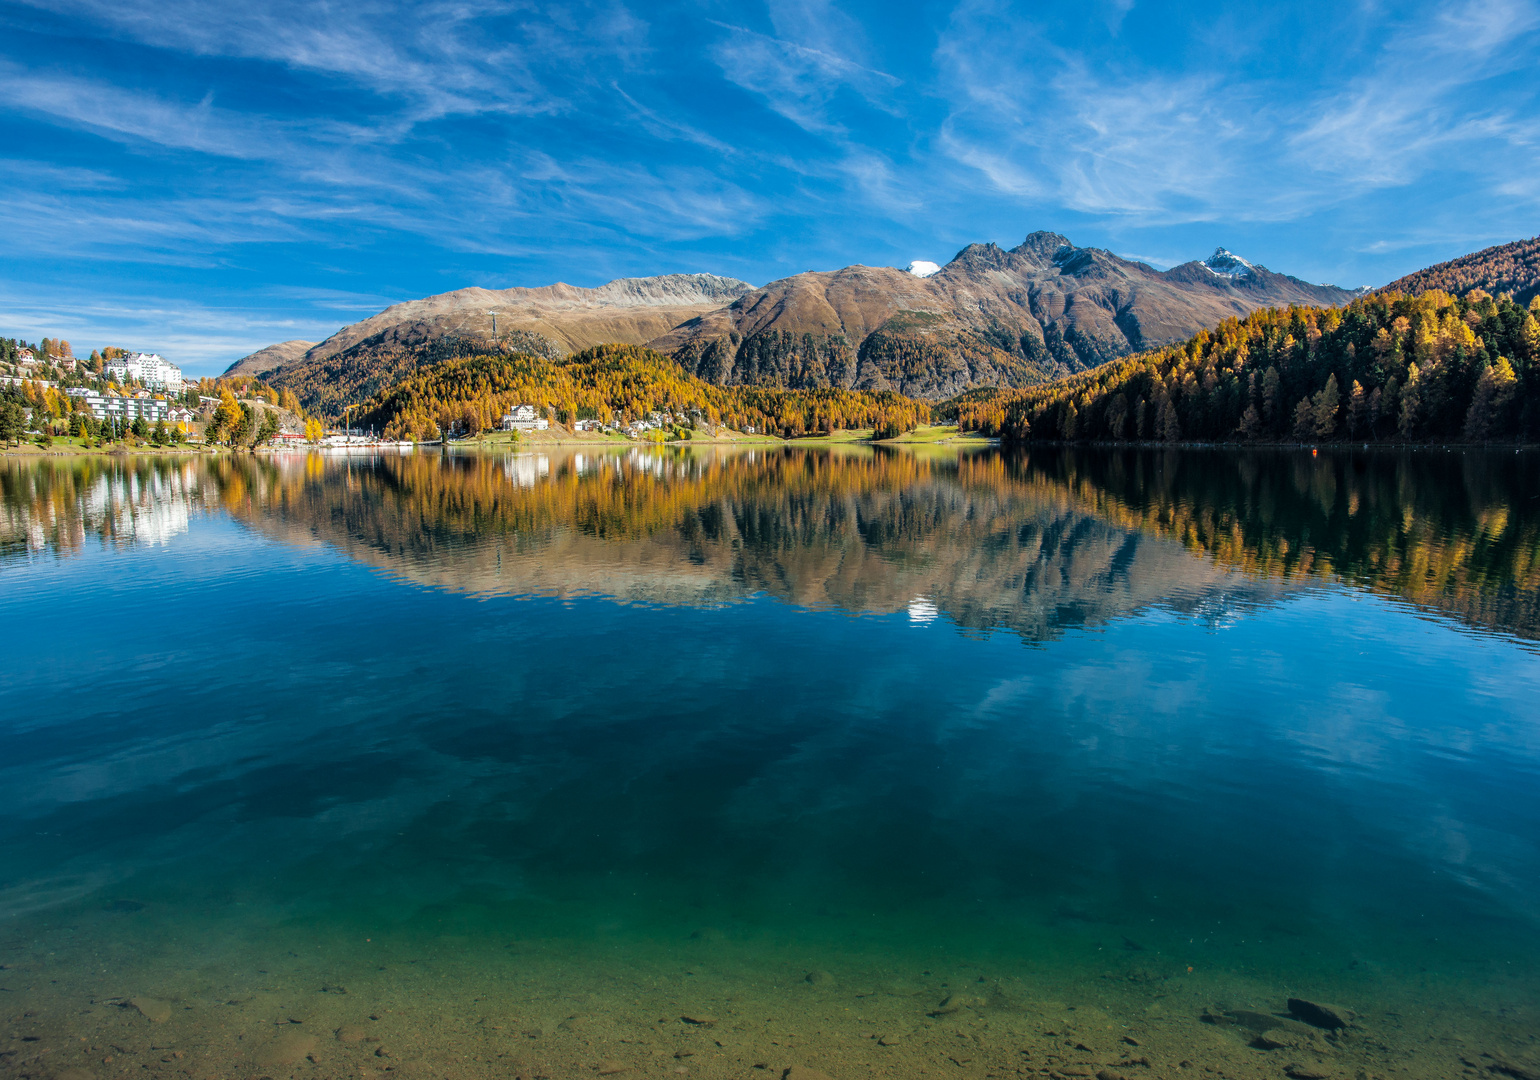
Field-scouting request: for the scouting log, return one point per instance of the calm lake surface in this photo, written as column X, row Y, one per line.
column 723, row 763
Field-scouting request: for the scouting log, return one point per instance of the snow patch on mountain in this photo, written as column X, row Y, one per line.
column 923, row 268
column 1227, row 264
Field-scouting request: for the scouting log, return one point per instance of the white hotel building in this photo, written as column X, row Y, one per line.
column 128, row 409
column 154, row 371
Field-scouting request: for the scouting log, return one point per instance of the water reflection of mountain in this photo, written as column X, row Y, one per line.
column 887, row 533
column 1030, row 543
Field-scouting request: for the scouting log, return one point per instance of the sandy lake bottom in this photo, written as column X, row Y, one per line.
column 771, row 766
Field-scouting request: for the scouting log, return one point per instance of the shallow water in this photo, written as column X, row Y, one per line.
column 726, row 763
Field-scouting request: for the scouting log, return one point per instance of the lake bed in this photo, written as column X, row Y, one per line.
column 729, row 762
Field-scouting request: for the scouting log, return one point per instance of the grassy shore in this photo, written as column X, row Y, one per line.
column 504, row 441
column 926, row 435
column 560, row 436
column 72, row 445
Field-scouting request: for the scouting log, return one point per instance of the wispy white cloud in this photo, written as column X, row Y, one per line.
column 496, row 138
column 800, row 82
column 203, row 338
column 442, row 58
column 1409, row 109
column 135, row 116
column 1038, row 121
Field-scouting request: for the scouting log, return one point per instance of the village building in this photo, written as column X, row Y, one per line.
column 154, row 371
column 523, row 418
column 128, row 409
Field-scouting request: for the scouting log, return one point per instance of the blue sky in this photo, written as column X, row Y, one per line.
column 204, row 177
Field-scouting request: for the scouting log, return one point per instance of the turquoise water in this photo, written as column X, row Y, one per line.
column 527, row 758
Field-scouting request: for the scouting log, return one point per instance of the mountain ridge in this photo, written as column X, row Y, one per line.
column 269, row 359
column 988, row 317
column 549, row 320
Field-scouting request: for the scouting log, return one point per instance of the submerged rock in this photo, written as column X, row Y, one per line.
column 287, row 1050
column 153, row 1009
column 1330, row 1017
column 1254, row 1021
column 1305, row 1072
column 1272, row 1039
column 954, row 1003
column 1505, row 1066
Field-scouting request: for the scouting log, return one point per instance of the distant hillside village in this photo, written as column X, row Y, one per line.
column 116, row 395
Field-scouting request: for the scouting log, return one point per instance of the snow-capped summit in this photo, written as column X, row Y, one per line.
column 1227, row 264
column 922, row 268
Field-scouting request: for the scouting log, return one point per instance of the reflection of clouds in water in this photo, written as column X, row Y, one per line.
column 1319, row 698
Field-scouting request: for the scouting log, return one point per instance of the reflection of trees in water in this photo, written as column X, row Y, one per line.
column 56, row 504
column 1033, row 542
column 859, row 531
column 1459, row 532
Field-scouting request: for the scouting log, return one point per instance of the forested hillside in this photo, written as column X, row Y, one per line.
column 1389, row 367
column 619, row 383
column 1512, row 268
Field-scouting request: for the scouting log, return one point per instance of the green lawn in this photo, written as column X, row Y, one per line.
column 941, row 433
column 69, row 444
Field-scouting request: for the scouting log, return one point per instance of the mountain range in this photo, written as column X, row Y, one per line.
column 989, row 317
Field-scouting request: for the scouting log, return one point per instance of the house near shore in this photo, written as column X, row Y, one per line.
column 129, row 408
column 523, row 418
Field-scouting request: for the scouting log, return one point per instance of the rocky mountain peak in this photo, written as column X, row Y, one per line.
column 979, row 257
column 1042, row 246
column 670, row 289
column 1225, row 263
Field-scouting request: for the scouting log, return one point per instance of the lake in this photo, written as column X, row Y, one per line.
column 724, row 763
